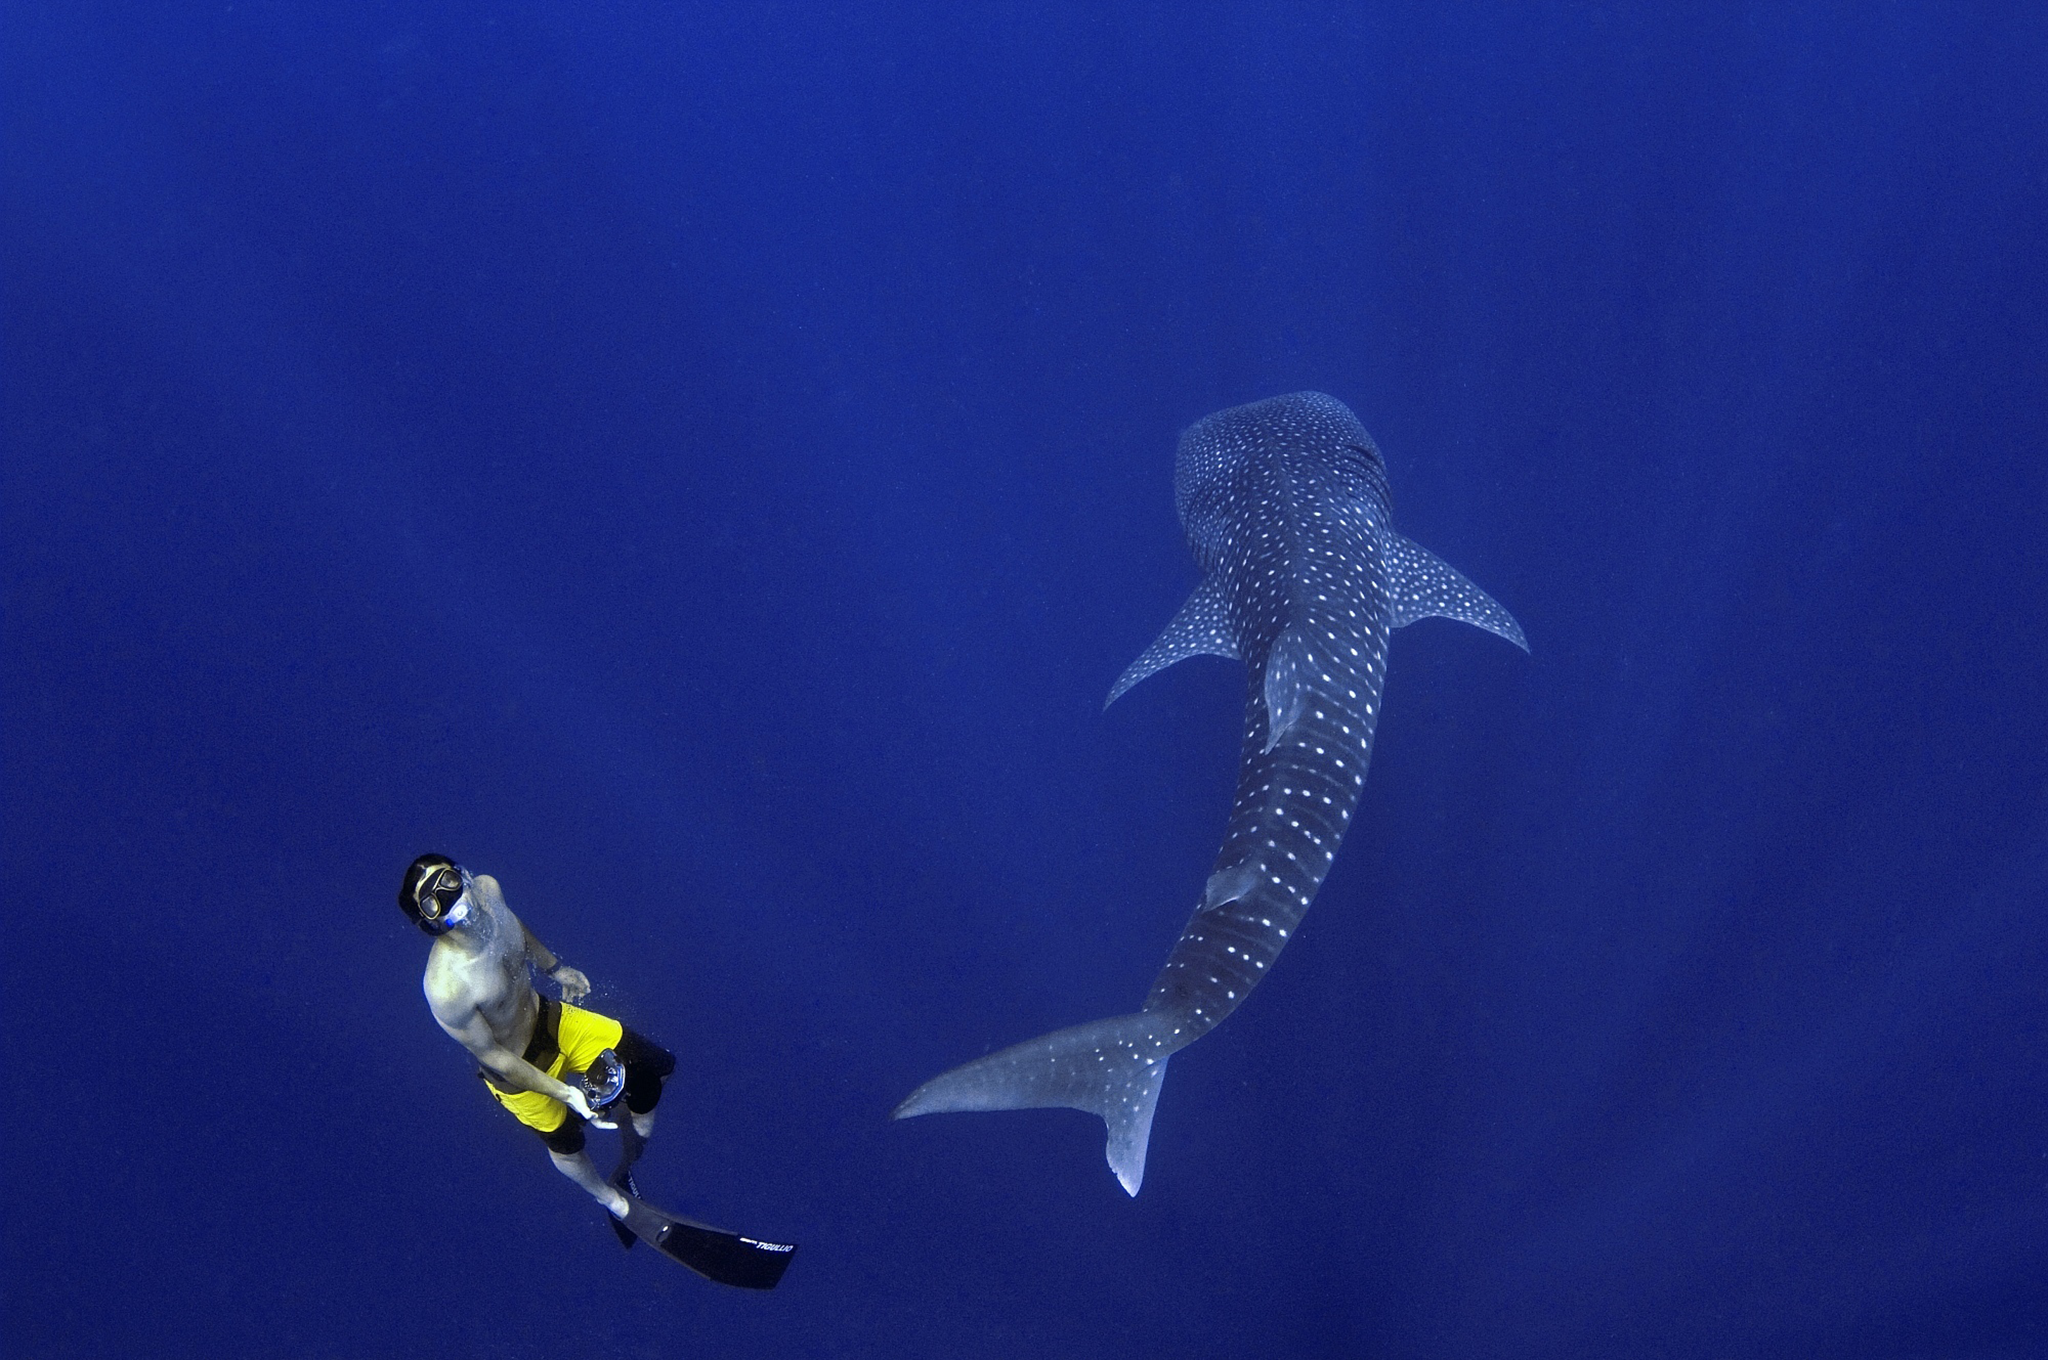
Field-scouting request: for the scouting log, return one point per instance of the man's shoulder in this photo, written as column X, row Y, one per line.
column 490, row 893
column 448, row 981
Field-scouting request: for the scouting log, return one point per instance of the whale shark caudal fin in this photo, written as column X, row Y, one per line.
column 1112, row 1068
column 1422, row 586
column 1201, row 628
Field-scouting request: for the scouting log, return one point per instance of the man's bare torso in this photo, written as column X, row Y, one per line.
column 481, row 972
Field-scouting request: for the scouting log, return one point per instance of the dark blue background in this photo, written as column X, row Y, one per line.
column 704, row 464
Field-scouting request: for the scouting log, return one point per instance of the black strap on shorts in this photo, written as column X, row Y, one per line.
column 546, row 1044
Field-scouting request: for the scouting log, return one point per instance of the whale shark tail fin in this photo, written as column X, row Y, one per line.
column 1112, row 1068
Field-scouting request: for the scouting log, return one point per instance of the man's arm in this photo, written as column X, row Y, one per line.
column 575, row 986
column 475, row 1035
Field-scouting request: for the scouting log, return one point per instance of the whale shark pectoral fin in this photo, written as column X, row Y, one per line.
column 1424, row 586
column 1111, row 1068
column 1287, row 671
column 1201, row 628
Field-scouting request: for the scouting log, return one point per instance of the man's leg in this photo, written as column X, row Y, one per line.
column 578, row 1168
column 633, row 1138
column 565, row 1149
column 647, row 1065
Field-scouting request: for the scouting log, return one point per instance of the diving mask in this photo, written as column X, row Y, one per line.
column 444, row 898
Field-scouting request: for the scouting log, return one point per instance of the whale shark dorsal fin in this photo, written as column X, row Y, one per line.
column 1423, row 585
column 1201, row 628
column 1286, row 688
column 1230, row 885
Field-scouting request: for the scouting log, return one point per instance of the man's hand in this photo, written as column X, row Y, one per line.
column 575, row 1101
column 575, row 986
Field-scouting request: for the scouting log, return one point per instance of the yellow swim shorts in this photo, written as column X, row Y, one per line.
column 580, row 1036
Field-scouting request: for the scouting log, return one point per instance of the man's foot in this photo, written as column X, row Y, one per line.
column 622, row 1180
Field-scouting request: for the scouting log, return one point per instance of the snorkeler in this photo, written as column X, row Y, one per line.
column 558, row 1067
column 478, row 989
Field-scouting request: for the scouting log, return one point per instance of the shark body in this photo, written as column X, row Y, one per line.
column 1285, row 506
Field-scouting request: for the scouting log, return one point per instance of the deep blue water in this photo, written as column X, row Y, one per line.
column 705, row 465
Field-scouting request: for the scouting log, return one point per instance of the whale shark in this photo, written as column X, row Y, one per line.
column 1284, row 504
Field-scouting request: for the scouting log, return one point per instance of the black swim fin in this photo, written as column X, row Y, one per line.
column 622, row 1181
column 727, row 1257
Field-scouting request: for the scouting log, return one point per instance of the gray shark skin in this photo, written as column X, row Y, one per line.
column 1285, row 505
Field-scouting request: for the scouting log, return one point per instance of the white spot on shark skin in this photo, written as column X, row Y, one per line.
column 1284, row 504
